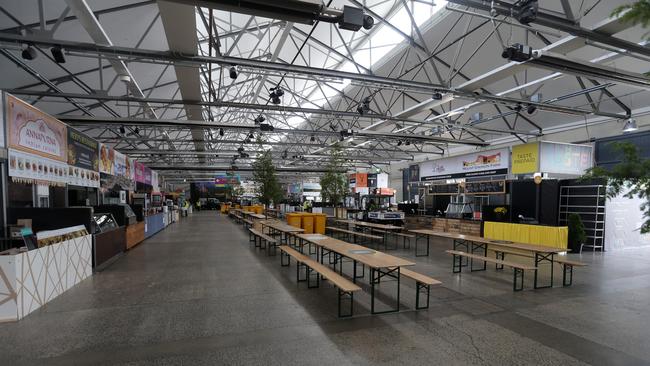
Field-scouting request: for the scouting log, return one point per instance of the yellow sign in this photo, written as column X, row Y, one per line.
column 525, row 158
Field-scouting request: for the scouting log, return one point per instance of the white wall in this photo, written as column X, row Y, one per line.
column 623, row 218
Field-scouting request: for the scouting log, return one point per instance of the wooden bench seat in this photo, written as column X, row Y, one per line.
column 423, row 284
column 346, row 288
column 262, row 240
column 248, row 223
column 567, row 269
column 355, row 233
column 517, row 268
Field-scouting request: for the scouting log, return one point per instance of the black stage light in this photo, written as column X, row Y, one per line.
column 275, row 99
column 312, row 138
column 29, row 53
column 437, row 96
column 57, row 54
column 368, row 22
column 251, row 136
column 531, row 109
column 122, row 130
column 221, row 132
column 233, row 72
column 399, row 143
column 408, row 143
column 136, row 130
column 527, row 11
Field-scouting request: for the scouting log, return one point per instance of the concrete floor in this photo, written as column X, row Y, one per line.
column 197, row 294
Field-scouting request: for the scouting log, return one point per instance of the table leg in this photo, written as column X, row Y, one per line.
column 539, row 258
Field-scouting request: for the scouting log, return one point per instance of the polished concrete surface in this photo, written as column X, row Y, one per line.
column 198, row 294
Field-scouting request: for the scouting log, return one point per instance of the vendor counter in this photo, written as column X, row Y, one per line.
column 551, row 236
column 134, row 234
column 154, row 223
column 31, row 279
column 457, row 226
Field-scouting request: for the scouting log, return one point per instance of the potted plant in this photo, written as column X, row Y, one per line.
column 577, row 235
column 500, row 213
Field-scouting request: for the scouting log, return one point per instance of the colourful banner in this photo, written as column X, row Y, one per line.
column 525, row 158
column 35, row 132
column 83, row 151
column 139, row 172
column 483, row 163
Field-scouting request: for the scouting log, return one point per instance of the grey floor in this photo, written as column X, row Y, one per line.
column 198, row 294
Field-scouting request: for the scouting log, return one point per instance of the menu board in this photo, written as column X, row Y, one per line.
column 443, row 189
column 32, row 167
column 35, row 132
column 488, row 187
column 83, row 151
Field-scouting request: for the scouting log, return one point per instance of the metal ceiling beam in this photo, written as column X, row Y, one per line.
column 141, row 55
column 179, row 22
column 214, row 125
column 553, row 21
column 254, row 107
column 90, row 23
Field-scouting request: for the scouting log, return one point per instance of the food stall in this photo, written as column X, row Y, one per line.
column 52, row 262
column 126, row 217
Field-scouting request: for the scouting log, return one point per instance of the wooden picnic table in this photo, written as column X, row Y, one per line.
column 380, row 264
column 472, row 243
column 282, row 228
column 257, row 216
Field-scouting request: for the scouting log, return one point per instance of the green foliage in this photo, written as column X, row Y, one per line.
column 268, row 188
column 334, row 183
column 577, row 233
column 639, row 13
column 631, row 175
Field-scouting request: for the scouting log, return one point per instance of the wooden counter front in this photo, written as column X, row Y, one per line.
column 134, row 234
column 458, row 226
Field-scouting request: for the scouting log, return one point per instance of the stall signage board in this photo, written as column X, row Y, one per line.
column 565, row 158
column 444, row 189
column 147, row 175
column 372, row 180
column 35, row 132
column 414, row 173
column 382, row 180
column 525, row 158
column 35, row 167
column 139, row 172
column 83, row 151
column 483, row 163
column 487, row 187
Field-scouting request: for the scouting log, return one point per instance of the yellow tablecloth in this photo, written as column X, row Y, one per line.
column 550, row 236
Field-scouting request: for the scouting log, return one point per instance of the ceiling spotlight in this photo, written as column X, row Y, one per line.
column 29, row 52
column 408, row 143
column 122, row 130
column 630, row 125
column 57, row 54
column 527, row 11
column 312, row 138
column 399, row 143
column 437, row 96
column 278, row 91
column 250, row 135
column 364, row 107
column 275, row 99
column 531, row 109
column 259, row 119
column 368, row 22
column 221, row 132
column 136, row 130
column 233, row 72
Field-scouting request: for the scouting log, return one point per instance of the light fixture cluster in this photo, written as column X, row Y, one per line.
column 630, row 125
column 275, row 95
column 29, row 53
column 364, row 106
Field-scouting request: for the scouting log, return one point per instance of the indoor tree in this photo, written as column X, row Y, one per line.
column 631, row 176
column 267, row 186
column 334, row 183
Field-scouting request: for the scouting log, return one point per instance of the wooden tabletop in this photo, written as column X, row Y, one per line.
column 371, row 224
column 361, row 254
column 490, row 242
column 281, row 226
column 257, row 216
